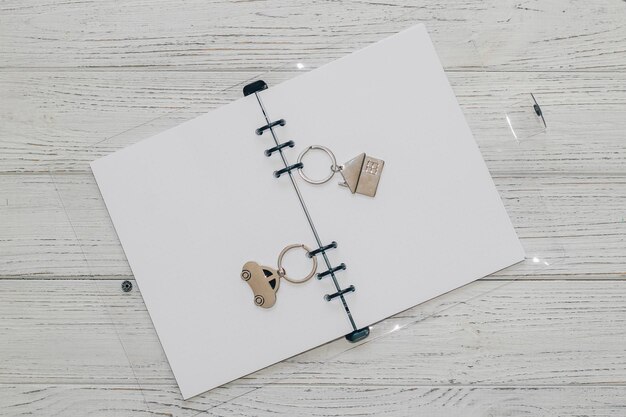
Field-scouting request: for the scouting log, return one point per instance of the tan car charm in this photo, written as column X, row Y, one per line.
column 265, row 281
column 361, row 174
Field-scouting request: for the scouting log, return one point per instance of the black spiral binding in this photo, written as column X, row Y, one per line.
column 341, row 267
column 332, row 245
column 269, row 125
column 255, row 88
column 288, row 169
column 270, row 151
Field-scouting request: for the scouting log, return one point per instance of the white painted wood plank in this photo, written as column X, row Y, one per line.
column 523, row 333
column 64, row 120
column 112, row 400
column 533, row 35
column 56, row 225
column 426, row 401
column 523, row 348
column 108, row 400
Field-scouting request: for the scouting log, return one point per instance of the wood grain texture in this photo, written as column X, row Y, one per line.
column 261, row 34
column 56, row 226
column 61, row 121
column 523, row 333
column 109, row 400
column 430, row 401
column 438, row 401
column 80, row 79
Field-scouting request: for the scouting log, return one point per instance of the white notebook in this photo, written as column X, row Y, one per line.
column 192, row 204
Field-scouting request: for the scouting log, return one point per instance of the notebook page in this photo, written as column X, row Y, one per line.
column 193, row 204
column 437, row 221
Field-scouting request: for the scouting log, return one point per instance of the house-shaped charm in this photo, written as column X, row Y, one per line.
column 361, row 174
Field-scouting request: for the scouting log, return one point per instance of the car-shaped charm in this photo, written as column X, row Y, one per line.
column 264, row 282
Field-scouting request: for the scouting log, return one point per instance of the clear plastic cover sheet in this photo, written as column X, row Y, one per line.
column 125, row 324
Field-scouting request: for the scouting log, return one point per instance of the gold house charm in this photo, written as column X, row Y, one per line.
column 361, row 174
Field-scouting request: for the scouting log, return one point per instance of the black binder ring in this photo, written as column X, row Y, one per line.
column 329, row 297
column 290, row 168
column 270, row 151
column 262, row 129
column 331, row 245
column 341, row 267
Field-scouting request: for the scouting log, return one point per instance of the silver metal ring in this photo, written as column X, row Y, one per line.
column 283, row 274
column 333, row 168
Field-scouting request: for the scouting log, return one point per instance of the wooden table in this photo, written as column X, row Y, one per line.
column 79, row 79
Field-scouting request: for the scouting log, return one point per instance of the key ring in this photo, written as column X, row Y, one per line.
column 334, row 168
column 360, row 175
column 283, row 274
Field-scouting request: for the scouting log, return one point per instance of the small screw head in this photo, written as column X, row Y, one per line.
column 127, row 286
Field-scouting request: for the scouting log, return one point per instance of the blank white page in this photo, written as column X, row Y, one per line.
column 191, row 205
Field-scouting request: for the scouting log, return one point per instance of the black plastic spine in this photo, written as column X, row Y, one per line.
column 254, row 88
